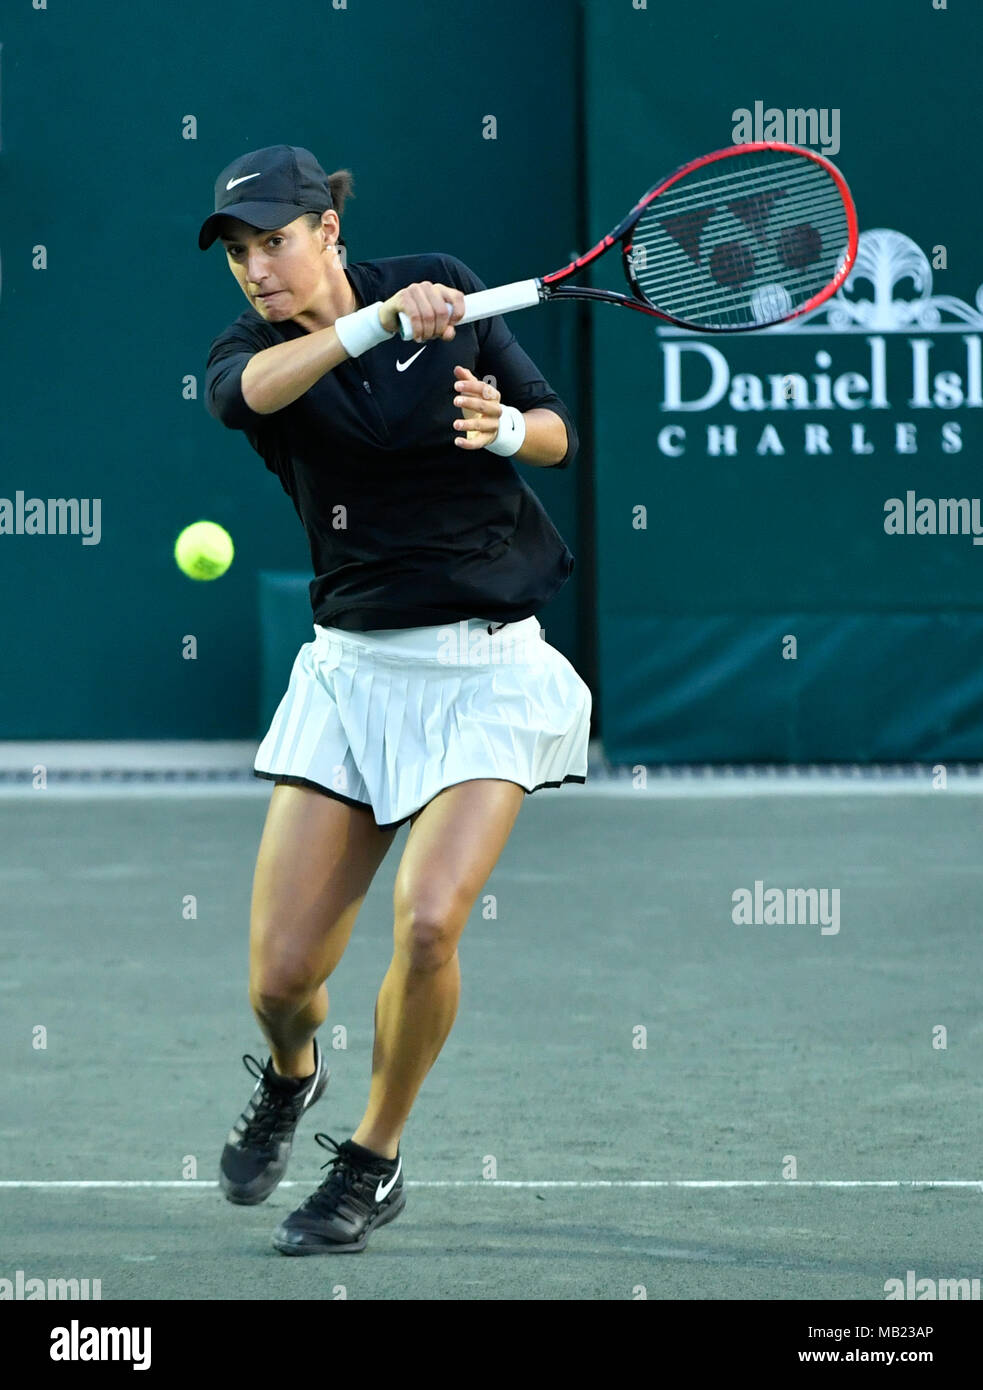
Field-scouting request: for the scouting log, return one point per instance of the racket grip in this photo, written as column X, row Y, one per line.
column 485, row 304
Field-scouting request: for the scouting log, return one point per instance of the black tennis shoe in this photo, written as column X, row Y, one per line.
column 258, row 1148
column 361, row 1192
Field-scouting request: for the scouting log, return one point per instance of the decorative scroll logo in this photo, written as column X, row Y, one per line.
column 885, row 261
column 897, row 369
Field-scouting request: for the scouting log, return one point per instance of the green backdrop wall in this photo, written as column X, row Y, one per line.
column 96, row 167
column 728, row 525
column 749, row 603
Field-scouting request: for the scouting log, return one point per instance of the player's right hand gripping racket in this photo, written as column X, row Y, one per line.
column 740, row 239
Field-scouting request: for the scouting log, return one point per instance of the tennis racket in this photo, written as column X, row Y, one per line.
column 737, row 240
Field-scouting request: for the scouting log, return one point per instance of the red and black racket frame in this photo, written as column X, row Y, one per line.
column 550, row 289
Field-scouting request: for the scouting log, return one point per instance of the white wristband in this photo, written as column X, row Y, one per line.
column 362, row 330
column 511, row 432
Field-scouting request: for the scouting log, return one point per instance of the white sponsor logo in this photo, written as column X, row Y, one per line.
column 317, row 1072
column 384, row 1189
column 401, row 366
column 920, row 351
column 242, row 179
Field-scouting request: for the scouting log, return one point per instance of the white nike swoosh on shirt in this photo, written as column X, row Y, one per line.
column 232, row 182
column 383, row 1190
column 401, row 366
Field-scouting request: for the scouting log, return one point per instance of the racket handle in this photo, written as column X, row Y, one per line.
column 485, row 304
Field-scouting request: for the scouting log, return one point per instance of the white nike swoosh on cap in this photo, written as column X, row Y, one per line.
column 401, row 366
column 383, row 1190
column 232, row 182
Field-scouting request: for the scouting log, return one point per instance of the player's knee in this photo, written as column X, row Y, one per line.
column 426, row 934
column 281, row 988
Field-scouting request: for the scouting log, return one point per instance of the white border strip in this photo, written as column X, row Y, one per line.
column 658, row 789
column 737, row 788
column 200, row 1183
column 210, row 768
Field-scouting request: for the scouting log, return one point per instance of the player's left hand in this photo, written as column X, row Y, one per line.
column 481, row 406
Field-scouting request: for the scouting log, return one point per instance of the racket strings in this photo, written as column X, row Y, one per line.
column 704, row 288
column 788, row 296
column 790, row 209
column 819, row 212
column 795, row 202
column 832, row 232
column 748, row 245
column 694, row 189
column 705, row 309
column 719, row 302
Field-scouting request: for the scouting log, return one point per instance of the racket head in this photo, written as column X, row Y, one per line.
column 741, row 239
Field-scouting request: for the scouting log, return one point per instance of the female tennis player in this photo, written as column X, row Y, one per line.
column 427, row 695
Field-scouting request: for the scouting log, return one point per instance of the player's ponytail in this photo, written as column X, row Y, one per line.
column 340, row 183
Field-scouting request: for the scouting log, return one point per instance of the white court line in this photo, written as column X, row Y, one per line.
column 551, row 1182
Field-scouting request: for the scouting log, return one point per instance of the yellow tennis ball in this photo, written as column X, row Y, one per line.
column 204, row 550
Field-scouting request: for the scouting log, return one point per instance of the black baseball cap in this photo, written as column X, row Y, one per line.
column 268, row 188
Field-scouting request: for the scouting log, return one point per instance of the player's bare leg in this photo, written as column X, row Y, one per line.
column 316, row 861
column 453, row 845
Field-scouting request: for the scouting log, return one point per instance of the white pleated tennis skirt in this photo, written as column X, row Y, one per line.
column 387, row 719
